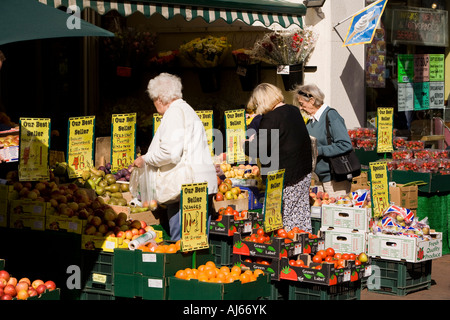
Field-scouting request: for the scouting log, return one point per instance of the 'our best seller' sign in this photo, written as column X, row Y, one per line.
column 123, row 140
column 80, row 146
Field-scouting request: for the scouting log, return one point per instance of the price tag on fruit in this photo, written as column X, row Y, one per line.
column 156, row 122
column 273, row 218
column 379, row 187
column 80, row 146
column 33, row 153
column 206, row 116
column 194, row 210
column 235, row 128
column 385, row 121
column 123, row 141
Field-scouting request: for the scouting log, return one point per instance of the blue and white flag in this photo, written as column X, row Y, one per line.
column 364, row 23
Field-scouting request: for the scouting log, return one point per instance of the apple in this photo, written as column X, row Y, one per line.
column 4, row 275
column 41, row 288
column 10, row 290
column 6, row 297
column 3, row 283
column 223, row 188
column 12, row 281
column 219, row 196
column 236, row 190
column 36, row 283
column 32, row 292
column 363, row 257
column 143, row 224
column 22, row 285
column 50, row 285
column 229, row 195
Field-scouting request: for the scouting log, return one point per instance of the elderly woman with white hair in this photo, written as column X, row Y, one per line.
column 179, row 150
column 310, row 99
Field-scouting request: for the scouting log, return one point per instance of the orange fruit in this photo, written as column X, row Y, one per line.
column 248, row 272
column 143, row 248
column 258, row 272
column 244, row 278
column 229, row 278
column 201, row 268
column 210, row 264
column 225, row 269
column 236, row 269
column 171, row 248
column 221, row 276
column 211, row 273
column 181, row 274
column 202, row 276
column 161, row 248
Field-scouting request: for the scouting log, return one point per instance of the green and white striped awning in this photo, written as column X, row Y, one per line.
column 251, row 12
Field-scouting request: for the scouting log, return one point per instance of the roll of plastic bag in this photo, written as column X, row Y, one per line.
column 147, row 237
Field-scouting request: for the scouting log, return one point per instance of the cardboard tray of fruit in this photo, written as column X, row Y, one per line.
column 231, row 221
column 326, row 273
column 269, row 266
column 274, row 248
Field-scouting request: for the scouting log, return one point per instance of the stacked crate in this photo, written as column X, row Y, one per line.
column 97, row 275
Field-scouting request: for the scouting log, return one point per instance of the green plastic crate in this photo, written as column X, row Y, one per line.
column 91, row 294
column 316, row 223
column 401, row 278
column 193, row 289
column 222, row 249
column 97, row 270
column 140, row 286
column 310, row 291
column 279, row 290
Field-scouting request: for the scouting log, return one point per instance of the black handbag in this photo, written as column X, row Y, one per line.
column 345, row 166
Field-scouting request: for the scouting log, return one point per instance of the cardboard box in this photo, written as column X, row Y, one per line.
column 59, row 223
column 405, row 197
column 146, row 216
column 37, row 208
column 27, row 221
column 360, row 182
column 272, row 268
column 326, row 275
column 107, row 244
column 345, row 242
column 410, row 249
column 239, row 204
column 341, row 217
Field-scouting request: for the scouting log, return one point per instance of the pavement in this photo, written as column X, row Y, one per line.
column 439, row 289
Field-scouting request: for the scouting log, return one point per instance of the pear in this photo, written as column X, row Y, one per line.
column 363, row 257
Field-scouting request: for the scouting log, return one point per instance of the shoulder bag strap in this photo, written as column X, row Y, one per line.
column 327, row 124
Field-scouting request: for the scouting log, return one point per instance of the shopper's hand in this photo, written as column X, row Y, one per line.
column 139, row 162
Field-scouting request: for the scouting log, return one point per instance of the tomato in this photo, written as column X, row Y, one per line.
column 357, row 262
column 337, row 256
column 328, row 259
column 248, row 260
column 253, row 236
column 322, row 253
column 296, row 229
column 265, row 262
column 292, row 262
column 244, row 213
column 229, row 211
column 221, row 210
column 267, row 238
column 341, row 263
column 281, row 233
column 352, row 256
column 260, row 232
column 299, row 263
column 261, row 239
column 291, row 234
column 317, row 259
column 330, row 252
column 345, row 256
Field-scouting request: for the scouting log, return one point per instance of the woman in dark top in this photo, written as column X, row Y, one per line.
column 283, row 142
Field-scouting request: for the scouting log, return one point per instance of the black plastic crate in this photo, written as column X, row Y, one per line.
column 91, row 294
column 308, row 291
column 400, row 277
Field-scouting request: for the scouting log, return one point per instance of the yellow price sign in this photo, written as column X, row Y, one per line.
column 123, row 141
column 194, row 212
column 235, row 127
column 379, row 187
column 156, row 122
column 385, row 121
column 206, row 116
column 80, row 146
column 273, row 206
column 34, row 149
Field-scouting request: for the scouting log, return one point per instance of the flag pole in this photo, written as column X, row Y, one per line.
column 341, row 22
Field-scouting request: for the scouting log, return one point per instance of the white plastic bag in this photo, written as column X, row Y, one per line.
column 142, row 187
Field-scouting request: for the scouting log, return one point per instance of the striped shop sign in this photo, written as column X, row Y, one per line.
column 189, row 12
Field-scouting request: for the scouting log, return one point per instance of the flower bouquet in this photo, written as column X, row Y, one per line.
column 165, row 58
column 287, row 48
column 207, row 54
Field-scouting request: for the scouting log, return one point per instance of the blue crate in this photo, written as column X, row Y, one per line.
column 255, row 198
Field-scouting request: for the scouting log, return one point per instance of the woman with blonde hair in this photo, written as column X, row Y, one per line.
column 283, row 143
